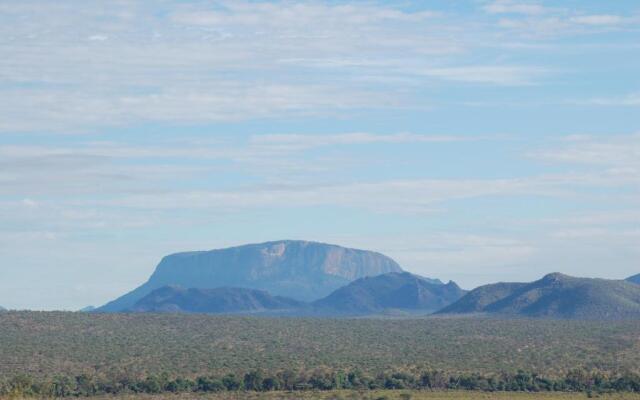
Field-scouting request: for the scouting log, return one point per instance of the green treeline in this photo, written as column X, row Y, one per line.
column 256, row 380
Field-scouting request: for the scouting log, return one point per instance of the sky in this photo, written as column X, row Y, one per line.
column 474, row 141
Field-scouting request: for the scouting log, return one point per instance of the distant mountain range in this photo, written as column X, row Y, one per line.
column 634, row 279
column 302, row 270
column 554, row 296
column 2, row 309
column 387, row 293
column 299, row 278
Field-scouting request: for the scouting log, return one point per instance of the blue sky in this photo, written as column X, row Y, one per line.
column 470, row 140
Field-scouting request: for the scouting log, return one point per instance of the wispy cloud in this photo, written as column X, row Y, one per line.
column 395, row 196
column 598, row 19
column 195, row 63
column 629, row 100
column 190, row 63
column 514, row 7
column 534, row 19
column 138, row 175
column 265, row 145
column 298, row 141
column 77, row 110
column 499, row 75
column 120, row 167
column 620, row 154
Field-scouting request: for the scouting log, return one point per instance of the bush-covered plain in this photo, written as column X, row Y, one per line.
column 50, row 343
column 58, row 353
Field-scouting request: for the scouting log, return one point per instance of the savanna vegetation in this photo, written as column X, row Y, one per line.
column 319, row 380
column 381, row 395
column 76, row 354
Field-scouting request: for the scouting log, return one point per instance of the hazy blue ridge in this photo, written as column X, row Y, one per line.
column 223, row 300
column 394, row 292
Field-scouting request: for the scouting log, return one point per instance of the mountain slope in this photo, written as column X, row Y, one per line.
column 554, row 296
column 298, row 269
column 391, row 291
column 223, row 300
column 634, row 279
column 478, row 299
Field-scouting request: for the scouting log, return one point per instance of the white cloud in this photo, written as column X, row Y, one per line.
column 611, row 217
column 514, row 7
column 98, row 38
column 249, row 14
column 74, row 110
column 420, row 196
column 121, row 167
column 508, row 75
column 499, row 75
column 620, row 154
column 630, row 100
column 601, row 19
column 257, row 146
column 193, row 63
column 533, row 20
column 197, row 64
column 29, row 203
column 596, row 234
column 298, row 141
column 139, row 175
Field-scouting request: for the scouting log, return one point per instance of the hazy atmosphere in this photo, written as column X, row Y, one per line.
column 475, row 141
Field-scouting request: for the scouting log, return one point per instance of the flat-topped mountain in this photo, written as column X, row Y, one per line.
column 223, row 300
column 298, row 269
column 554, row 296
column 634, row 279
column 393, row 291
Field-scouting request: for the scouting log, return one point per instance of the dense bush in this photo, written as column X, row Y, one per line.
column 46, row 344
column 74, row 354
column 257, row 380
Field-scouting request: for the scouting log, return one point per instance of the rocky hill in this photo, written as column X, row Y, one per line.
column 395, row 291
column 554, row 296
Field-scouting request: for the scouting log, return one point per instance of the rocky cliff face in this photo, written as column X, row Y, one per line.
column 298, row 269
